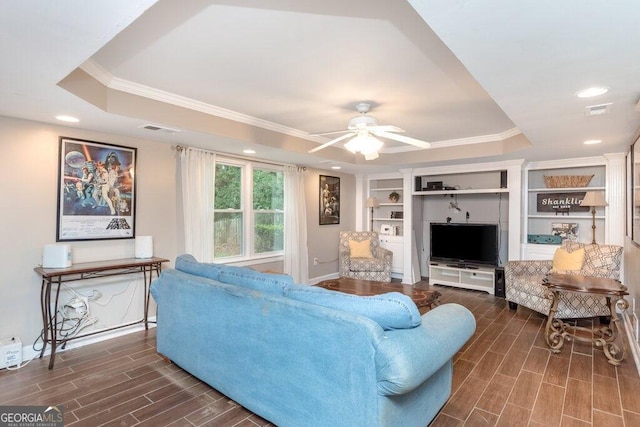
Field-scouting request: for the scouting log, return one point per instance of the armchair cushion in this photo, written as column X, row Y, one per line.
column 565, row 260
column 360, row 249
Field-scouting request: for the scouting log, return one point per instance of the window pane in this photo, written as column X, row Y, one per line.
column 227, row 234
column 268, row 190
column 268, row 232
column 228, row 187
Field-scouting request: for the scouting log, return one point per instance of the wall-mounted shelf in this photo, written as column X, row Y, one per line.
column 565, row 189
column 467, row 191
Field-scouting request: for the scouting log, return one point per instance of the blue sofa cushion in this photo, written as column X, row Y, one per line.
column 233, row 275
column 188, row 264
column 248, row 278
column 392, row 310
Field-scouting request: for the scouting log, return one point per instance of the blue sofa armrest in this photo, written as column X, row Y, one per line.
column 406, row 358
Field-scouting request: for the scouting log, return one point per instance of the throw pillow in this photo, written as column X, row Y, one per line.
column 564, row 260
column 360, row 249
column 392, row 310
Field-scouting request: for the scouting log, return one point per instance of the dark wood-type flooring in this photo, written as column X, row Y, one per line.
column 503, row 376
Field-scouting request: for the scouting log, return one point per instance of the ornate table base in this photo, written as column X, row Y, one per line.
column 608, row 337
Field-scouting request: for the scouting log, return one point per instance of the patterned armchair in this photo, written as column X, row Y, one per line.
column 523, row 282
column 377, row 267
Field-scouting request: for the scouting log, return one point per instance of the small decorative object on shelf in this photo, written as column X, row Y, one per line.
column 567, row 181
column 397, row 215
column 394, row 197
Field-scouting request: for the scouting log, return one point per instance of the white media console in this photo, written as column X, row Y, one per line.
column 477, row 278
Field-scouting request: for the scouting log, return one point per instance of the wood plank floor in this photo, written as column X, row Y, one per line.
column 503, row 376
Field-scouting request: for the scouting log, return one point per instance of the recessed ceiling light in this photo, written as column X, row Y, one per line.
column 592, row 141
column 68, row 119
column 592, row 91
column 249, row 151
column 336, row 167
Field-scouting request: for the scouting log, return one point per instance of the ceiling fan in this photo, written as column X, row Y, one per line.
column 364, row 129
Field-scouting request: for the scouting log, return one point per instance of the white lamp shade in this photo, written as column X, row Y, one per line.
column 372, row 202
column 594, row 199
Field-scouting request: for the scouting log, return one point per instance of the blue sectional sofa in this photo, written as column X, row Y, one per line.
column 299, row 355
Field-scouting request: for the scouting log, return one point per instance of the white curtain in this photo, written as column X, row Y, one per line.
column 295, row 225
column 198, row 180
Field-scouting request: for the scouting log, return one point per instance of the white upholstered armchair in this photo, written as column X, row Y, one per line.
column 361, row 257
column 523, row 282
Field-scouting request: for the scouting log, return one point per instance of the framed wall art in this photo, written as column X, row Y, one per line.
column 96, row 191
column 329, row 200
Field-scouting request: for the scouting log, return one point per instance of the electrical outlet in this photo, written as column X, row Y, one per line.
column 10, row 352
column 316, row 261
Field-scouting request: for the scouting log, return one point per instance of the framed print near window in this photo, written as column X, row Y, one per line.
column 96, row 191
column 329, row 200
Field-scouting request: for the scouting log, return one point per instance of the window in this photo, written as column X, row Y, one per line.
column 268, row 210
column 248, row 209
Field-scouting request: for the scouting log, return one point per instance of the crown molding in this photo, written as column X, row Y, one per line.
column 481, row 139
column 109, row 80
column 122, row 85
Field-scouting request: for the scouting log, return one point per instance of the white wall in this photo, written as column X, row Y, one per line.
column 29, row 168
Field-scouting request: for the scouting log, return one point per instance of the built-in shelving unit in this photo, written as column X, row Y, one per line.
column 542, row 222
column 483, row 182
column 387, row 212
column 388, row 216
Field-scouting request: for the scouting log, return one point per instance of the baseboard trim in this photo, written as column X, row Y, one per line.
column 28, row 353
column 316, row 280
column 635, row 346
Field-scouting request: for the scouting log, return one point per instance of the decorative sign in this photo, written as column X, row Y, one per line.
column 561, row 202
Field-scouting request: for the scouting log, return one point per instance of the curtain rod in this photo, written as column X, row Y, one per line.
column 180, row 148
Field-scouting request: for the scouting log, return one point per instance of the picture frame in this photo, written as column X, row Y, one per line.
column 96, row 191
column 387, row 230
column 565, row 230
column 329, row 198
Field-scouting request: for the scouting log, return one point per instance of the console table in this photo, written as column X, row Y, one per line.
column 88, row 270
column 607, row 336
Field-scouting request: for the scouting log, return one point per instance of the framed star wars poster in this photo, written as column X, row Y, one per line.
column 96, row 191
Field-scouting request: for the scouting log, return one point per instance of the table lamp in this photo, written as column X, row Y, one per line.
column 593, row 199
column 372, row 202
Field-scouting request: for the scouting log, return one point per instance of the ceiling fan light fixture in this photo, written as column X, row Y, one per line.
column 366, row 144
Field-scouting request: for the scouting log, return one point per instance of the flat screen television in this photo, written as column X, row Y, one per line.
column 464, row 244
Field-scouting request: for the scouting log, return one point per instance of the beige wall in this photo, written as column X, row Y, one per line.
column 29, row 168
column 323, row 239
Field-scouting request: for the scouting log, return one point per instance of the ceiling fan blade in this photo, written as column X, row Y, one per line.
column 385, row 128
column 333, row 141
column 402, row 138
column 329, row 133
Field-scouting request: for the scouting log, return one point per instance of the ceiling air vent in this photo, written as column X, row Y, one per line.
column 161, row 129
column 597, row 110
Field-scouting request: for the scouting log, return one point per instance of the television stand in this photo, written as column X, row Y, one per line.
column 464, row 266
column 463, row 276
